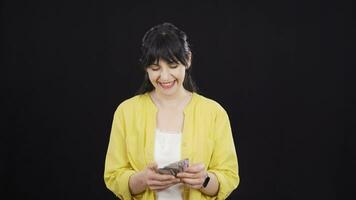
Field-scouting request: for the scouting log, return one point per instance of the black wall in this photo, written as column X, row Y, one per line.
column 281, row 69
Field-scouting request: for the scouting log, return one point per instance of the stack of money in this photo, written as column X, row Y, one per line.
column 174, row 168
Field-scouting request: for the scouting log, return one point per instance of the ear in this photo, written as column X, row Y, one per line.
column 189, row 59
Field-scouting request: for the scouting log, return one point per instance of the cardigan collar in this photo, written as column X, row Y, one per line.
column 186, row 109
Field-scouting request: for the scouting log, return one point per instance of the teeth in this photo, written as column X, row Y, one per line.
column 168, row 84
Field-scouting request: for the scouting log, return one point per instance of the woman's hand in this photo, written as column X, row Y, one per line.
column 194, row 176
column 156, row 181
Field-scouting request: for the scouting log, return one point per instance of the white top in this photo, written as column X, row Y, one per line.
column 167, row 150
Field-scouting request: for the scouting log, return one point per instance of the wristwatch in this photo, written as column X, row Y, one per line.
column 206, row 181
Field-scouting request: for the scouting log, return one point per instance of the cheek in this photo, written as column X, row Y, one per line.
column 152, row 77
column 178, row 73
column 181, row 75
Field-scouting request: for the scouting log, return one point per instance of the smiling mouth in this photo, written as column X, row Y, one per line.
column 167, row 85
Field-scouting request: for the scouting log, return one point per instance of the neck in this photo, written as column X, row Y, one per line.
column 171, row 101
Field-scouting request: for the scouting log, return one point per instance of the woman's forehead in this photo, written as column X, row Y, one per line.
column 162, row 60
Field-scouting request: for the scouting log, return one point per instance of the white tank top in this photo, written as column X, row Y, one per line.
column 167, row 150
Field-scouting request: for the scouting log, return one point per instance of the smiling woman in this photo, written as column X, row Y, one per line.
column 165, row 46
column 167, row 78
column 168, row 121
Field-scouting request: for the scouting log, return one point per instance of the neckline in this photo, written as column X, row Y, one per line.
column 190, row 102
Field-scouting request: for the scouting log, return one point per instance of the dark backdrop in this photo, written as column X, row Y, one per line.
column 281, row 69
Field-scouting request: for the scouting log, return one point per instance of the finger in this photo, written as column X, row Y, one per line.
column 193, row 182
column 162, row 177
column 194, row 186
column 162, row 183
column 190, row 175
column 160, row 188
column 152, row 174
column 186, row 175
column 152, row 183
column 195, row 168
column 152, row 166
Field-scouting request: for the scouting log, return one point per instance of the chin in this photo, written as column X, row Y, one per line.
column 168, row 93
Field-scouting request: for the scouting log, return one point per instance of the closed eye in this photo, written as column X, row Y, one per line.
column 155, row 67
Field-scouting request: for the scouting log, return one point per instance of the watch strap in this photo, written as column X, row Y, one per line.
column 206, row 181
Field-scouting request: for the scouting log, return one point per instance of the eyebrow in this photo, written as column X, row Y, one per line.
column 170, row 64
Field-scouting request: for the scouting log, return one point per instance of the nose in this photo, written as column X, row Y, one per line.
column 165, row 75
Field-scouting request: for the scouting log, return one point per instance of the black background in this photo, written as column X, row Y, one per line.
column 281, row 69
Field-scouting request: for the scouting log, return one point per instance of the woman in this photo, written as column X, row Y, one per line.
column 168, row 121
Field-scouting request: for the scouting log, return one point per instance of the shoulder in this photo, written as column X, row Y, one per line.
column 209, row 104
column 132, row 103
column 209, row 112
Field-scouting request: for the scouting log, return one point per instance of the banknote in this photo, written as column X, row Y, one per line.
column 174, row 168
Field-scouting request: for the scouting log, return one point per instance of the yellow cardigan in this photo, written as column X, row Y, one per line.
column 206, row 138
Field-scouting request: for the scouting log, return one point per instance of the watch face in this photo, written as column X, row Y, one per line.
column 207, row 179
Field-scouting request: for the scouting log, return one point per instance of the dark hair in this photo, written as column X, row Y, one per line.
column 165, row 41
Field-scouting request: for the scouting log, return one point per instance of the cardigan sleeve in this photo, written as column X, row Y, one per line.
column 224, row 159
column 117, row 167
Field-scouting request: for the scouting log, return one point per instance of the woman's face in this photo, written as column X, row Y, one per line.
column 167, row 78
